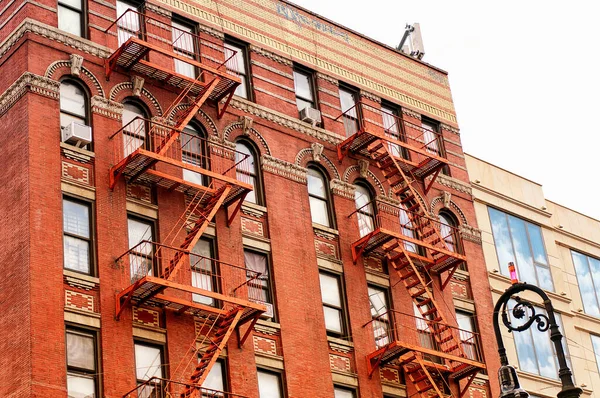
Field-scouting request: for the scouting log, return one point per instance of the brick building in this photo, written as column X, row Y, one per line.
column 242, row 196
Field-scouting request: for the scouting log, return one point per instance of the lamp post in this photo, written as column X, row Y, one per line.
column 509, row 382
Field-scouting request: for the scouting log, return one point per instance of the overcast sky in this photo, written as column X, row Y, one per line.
column 525, row 79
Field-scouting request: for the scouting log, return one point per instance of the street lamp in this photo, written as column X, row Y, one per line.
column 507, row 375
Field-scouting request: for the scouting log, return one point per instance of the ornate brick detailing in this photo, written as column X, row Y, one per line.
column 459, row 289
column 200, row 116
column 139, row 192
column 343, row 348
column 251, row 211
column 211, row 32
column 343, row 189
column 270, row 55
column 146, row 317
column 79, row 301
column 284, row 169
column 370, row 96
column 317, row 151
column 470, row 233
column 478, row 389
column 285, row 121
column 266, row 330
column 271, row 69
column 228, row 134
column 121, row 90
column 325, row 250
column 252, row 227
column 355, row 171
column 389, row 375
column 158, row 10
column 73, row 172
column 264, row 345
column 75, row 67
column 76, row 64
column 444, row 200
column 373, row 263
column 454, row 183
column 328, row 78
column 28, row 82
column 307, row 154
column 107, row 108
column 138, row 85
column 339, row 363
column 410, row 113
column 246, row 122
column 450, row 129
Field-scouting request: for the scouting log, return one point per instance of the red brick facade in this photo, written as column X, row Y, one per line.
column 37, row 296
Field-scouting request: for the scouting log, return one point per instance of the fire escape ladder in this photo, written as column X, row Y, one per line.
column 421, row 378
column 225, row 326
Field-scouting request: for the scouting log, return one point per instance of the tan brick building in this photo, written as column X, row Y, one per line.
column 555, row 248
column 207, row 196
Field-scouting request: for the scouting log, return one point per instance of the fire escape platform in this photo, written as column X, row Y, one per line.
column 149, row 291
column 130, row 58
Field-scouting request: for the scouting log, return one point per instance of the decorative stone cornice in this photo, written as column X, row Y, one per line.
column 411, row 113
column 344, row 348
column 51, row 33
column 272, row 56
column 285, row 121
column 328, row 78
column 211, row 32
column 107, row 108
column 264, row 329
column 370, row 96
column 470, row 233
column 28, row 82
column 449, row 128
column 213, row 139
column 158, row 10
column 284, row 169
column 252, row 210
column 342, row 188
column 454, row 183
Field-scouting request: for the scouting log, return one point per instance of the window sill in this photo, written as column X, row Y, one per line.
column 267, row 327
column 253, row 209
column 340, row 344
column 325, row 229
column 80, row 151
column 85, row 279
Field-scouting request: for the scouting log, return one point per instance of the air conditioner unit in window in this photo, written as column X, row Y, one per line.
column 77, row 134
column 310, row 115
column 269, row 312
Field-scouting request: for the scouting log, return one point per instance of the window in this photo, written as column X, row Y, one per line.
column 348, row 100
column 141, row 236
column 82, row 363
column 71, row 17
column 432, row 140
column 129, row 25
column 149, row 363
column 77, row 235
column 343, row 392
column 236, row 62
column 304, row 87
column 448, row 231
column 467, row 334
column 185, row 45
column 73, row 104
column 260, row 289
column 134, row 128
column 269, row 384
column 596, row 345
column 534, row 348
column 247, row 171
column 378, row 299
column 333, row 308
column 588, row 277
column 216, row 379
column 204, row 272
column 318, row 193
column 393, row 130
column 365, row 210
column 194, row 151
column 407, row 228
column 521, row 242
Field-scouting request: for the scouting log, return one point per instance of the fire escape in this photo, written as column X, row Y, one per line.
column 172, row 276
column 416, row 246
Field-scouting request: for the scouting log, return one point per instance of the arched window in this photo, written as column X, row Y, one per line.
column 407, row 228
column 365, row 208
column 247, row 170
column 448, row 230
column 320, row 201
column 134, row 127
column 73, row 104
column 194, row 151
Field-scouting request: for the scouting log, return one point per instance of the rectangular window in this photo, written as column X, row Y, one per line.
column 204, row 272
column 467, row 334
column 216, row 379
column 149, row 363
column 82, row 363
column 304, row 86
column 77, row 235
column 343, row 392
column 596, row 345
column 378, row 298
column 184, row 44
column 393, row 130
column 521, row 242
column 333, row 307
column 236, row 56
column 71, row 17
column 260, row 283
column 128, row 25
column 433, row 141
column 348, row 100
column 270, row 384
column 141, row 237
column 588, row 278
column 534, row 348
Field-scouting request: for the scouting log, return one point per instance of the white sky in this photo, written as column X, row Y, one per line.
column 525, row 79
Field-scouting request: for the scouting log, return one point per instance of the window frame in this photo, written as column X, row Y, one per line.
column 203, row 155
column 395, row 110
column 596, row 354
column 214, row 271
column 270, row 290
column 83, row 13
column 579, row 284
column 93, row 271
column 247, row 75
column 345, row 388
column 94, row 333
column 163, row 356
column 154, row 238
column 87, row 106
column 328, row 199
column 258, row 181
column 355, row 92
column 345, row 324
column 360, row 212
column 145, row 113
column 441, row 148
column 138, row 6
column 224, row 374
column 389, row 320
column 280, row 379
column 195, row 53
column 303, row 70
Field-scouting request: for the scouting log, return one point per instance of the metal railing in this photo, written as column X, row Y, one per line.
column 363, row 118
column 151, row 258
column 391, row 326
column 188, row 148
column 183, row 42
column 393, row 217
column 157, row 387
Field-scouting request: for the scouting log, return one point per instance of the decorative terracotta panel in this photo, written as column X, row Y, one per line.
column 146, row 317
column 75, row 173
column 339, row 363
column 139, row 192
column 79, row 301
column 252, row 227
column 264, row 345
column 389, row 375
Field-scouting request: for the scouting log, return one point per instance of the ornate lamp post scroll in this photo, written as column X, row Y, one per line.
column 524, row 310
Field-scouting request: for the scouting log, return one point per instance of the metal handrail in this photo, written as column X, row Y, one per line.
column 204, row 392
